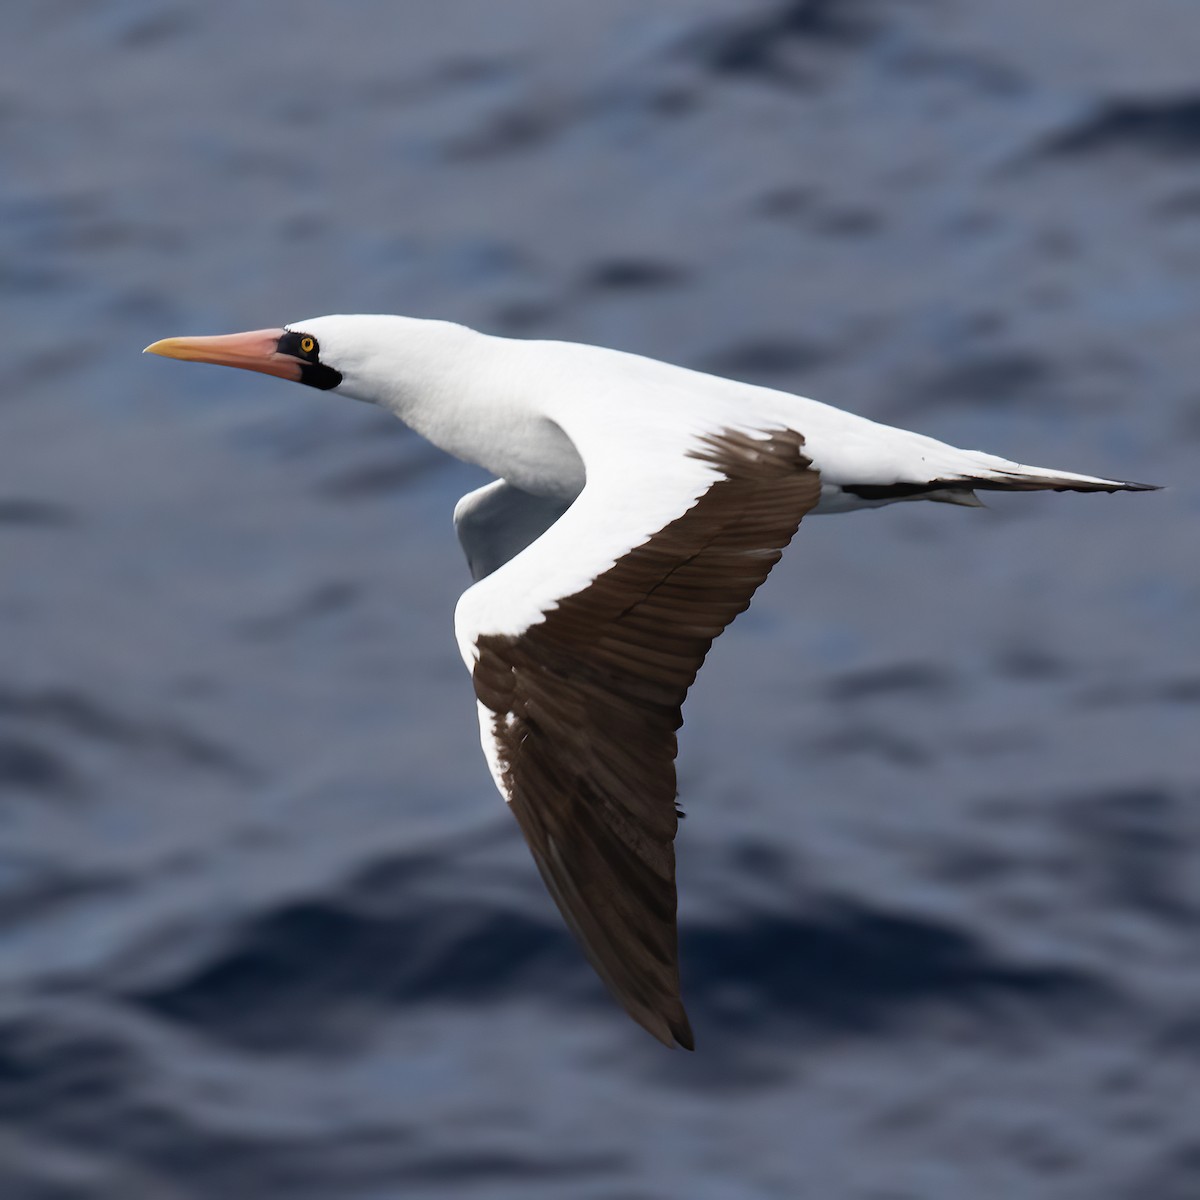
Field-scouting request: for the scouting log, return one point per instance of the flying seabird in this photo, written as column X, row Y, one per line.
column 637, row 507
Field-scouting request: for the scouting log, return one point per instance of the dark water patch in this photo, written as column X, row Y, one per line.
column 385, row 884
column 971, row 865
column 315, row 973
column 848, row 222
column 1058, row 243
column 31, row 282
column 1138, row 846
column 1183, row 205
column 76, row 714
column 68, row 227
column 157, row 29
column 51, row 1175
column 766, row 358
column 1177, row 1177
column 785, row 202
column 476, row 69
column 49, row 366
column 1184, row 691
column 55, row 1077
column 520, row 129
column 320, row 976
column 384, row 477
column 1181, row 1036
column 304, row 227
column 764, row 863
column 672, row 99
column 266, row 1165
column 43, row 222
column 29, row 766
column 757, row 45
column 327, row 600
column 312, row 435
column 17, row 510
column 97, row 1091
column 802, row 208
column 1012, row 378
column 996, row 742
column 903, row 679
column 464, row 72
column 32, row 890
column 631, row 104
column 854, row 740
column 632, row 274
column 1045, row 1152
column 72, row 712
column 151, row 305
column 1180, row 691
column 525, row 316
column 857, row 971
column 1187, row 422
column 1170, row 127
column 481, row 261
column 475, row 1167
column 1029, row 664
column 978, row 76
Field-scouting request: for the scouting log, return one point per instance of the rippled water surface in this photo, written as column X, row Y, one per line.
column 267, row 929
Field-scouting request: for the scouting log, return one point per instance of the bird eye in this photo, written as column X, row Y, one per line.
column 307, row 345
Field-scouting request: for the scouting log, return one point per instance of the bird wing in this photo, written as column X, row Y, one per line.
column 497, row 521
column 582, row 649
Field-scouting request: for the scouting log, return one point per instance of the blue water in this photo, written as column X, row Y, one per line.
column 267, row 929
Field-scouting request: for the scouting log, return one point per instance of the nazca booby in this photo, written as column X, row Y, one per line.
column 637, row 507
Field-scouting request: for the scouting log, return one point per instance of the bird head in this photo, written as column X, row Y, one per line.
column 293, row 352
column 374, row 358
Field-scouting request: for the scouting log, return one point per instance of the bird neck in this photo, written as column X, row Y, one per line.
column 469, row 394
column 426, row 373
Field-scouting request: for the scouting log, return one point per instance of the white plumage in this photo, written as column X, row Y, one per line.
column 636, row 508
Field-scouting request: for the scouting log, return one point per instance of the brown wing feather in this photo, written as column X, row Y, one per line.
column 585, row 707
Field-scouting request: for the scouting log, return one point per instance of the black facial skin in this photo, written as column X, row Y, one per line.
column 312, row 371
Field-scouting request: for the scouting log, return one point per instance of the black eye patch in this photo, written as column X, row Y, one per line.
column 312, row 371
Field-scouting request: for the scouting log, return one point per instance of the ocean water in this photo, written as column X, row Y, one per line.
column 267, row 931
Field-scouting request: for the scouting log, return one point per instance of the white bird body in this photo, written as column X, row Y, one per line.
column 637, row 507
column 504, row 404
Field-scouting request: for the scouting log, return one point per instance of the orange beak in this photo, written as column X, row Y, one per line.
column 255, row 351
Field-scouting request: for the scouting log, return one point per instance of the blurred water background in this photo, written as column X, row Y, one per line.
column 267, row 929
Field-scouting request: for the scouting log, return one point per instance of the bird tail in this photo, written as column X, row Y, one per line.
column 1000, row 475
column 961, row 473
